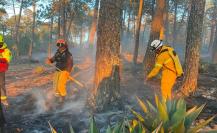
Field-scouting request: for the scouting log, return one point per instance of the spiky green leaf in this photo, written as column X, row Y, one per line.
column 192, row 115
column 142, row 105
column 179, row 115
column 109, row 130
column 93, row 128
column 71, row 129
column 138, row 116
column 162, row 112
column 201, row 125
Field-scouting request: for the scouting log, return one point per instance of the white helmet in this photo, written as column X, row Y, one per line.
column 156, row 44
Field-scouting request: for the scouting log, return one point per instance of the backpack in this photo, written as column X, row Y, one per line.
column 177, row 63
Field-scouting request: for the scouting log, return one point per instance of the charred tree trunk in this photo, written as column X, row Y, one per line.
column 138, row 25
column 107, row 79
column 193, row 42
column 175, row 22
column 33, row 31
column 156, row 29
column 94, row 24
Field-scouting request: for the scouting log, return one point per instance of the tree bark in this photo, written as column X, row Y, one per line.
column 175, row 22
column 156, row 29
column 17, row 31
column 81, row 36
column 213, row 24
column 63, row 19
column 50, row 38
column 214, row 48
column 128, row 24
column 138, row 25
column 94, row 24
column 59, row 19
column 33, row 30
column 193, row 43
column 166, row 24
column 153, row 8
column 107, row 79
column 211, row 40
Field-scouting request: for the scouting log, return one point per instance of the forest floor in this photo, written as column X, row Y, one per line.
column 33, row 105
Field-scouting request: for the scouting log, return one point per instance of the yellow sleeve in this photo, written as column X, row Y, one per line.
column 158, row 65
column 7, row 55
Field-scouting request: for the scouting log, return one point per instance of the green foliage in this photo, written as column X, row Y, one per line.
column 170, row 116
column 166, row 117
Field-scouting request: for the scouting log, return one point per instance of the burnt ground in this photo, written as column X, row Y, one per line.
column 32, row 104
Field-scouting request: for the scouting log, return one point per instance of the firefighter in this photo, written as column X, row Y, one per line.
column 5, row 58
column 64, row 63
column 168, row 61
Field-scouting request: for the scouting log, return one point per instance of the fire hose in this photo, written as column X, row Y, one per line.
column 71, row 78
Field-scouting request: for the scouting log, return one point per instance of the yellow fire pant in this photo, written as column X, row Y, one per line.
column 59, row 82
column 167, row 82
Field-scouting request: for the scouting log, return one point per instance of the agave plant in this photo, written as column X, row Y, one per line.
column 168, row 117
column 117, row 128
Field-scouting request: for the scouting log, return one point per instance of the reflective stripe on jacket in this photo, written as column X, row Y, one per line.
column 5, row 58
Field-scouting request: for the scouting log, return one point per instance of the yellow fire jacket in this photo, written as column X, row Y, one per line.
column 164, row 61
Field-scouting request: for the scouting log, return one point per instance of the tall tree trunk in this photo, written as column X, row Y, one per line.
column 211, row 40
column 143, row 33
column 59, row 20
column 138, row 25
column 123, row 20
column 156, row 29
column 153, row 8
column 128, row 24
column 33, row 30
column 50, row 38
column 175, row 22
column 166, row 24
column 212, row 34
column 81, row 36
column 63, row 19
column 69, row 27
column 94, row 24
column 214, row 48
column 107, row 78
column 17, row 30
column 193, row 42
